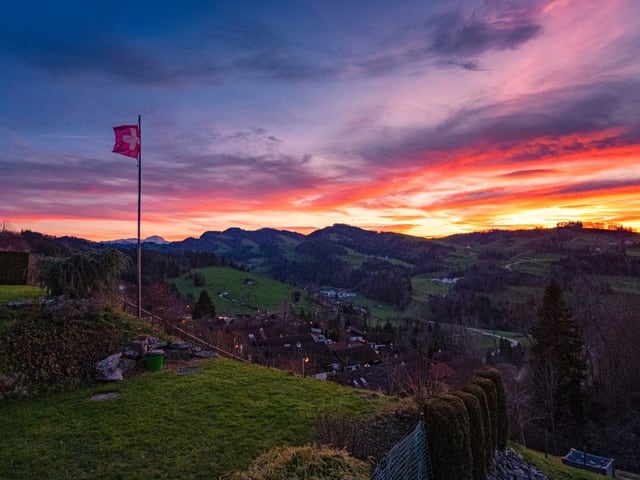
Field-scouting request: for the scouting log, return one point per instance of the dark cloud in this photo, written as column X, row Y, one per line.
column 457, row 36
column 244, row 175
column 224, row 50
column 505, row 127
column 598, row 185
column 283, row 67
column 113, row 59
column 528, row 173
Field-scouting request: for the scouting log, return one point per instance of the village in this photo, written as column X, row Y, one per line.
column 341, row 348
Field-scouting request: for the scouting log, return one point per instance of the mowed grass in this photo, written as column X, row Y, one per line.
column 166, row 425
column 12, row 293
column 246, row 288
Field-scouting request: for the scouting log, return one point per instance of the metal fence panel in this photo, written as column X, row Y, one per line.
column 408, row 459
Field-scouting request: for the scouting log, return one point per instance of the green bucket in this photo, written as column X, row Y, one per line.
column 154, row 359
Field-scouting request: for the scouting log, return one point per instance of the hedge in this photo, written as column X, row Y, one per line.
column 492, row 400
column 14, row 267
column 476, row 429
column 447, row 427
column 502, row 436
column 488, row 444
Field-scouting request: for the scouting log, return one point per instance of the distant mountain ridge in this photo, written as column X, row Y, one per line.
column 496, row 272
column 129, row 241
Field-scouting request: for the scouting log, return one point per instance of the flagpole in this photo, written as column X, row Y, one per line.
column 139, row 210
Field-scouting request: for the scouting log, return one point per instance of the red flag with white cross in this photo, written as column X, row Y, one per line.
column 127, row 140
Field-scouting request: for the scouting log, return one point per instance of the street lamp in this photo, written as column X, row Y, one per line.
column 304, row 361
column 236, row 346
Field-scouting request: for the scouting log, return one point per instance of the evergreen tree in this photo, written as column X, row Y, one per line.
column 558, row 361
column 204, row 306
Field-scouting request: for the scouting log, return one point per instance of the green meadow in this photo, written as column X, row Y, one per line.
column 236, row 291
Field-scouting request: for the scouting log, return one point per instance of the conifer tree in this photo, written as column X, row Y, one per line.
column 204, row 306
column 558, row 362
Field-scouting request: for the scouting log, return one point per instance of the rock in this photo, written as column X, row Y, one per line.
column 204, row 354
column 100, row 397
column 107, row 366
column 115, row 376
column 126, row 365
column 109, row 363
column 7, row 386
column 170, row 354
column 136, row 349
column 180, row 346
column 509, row 465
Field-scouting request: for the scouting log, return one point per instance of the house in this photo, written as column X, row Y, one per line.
column 354, row 357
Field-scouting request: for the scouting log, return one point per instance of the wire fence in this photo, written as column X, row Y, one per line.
column 408, row 459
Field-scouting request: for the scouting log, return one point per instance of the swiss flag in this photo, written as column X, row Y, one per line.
column 127, row 140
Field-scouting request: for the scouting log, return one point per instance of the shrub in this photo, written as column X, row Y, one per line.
column 476, row 430
column 371, row 437
column 447, row 426
column 502, row 435
column 50, row 347
column 487, row 426
column 304, row 463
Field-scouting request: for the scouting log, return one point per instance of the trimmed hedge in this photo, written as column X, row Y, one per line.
column 447, row 426
column 14, row 268
column 492, row 400
column 476, row 430
column 466, row 427
column 502, row 436
column 489, row 450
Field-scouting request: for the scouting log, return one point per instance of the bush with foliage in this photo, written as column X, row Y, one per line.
column 304, row 463
column 83, row 274
column 368, row 438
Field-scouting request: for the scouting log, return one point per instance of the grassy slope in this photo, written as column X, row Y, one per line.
column 166, row 425
column 266, row 293
column 10, row 293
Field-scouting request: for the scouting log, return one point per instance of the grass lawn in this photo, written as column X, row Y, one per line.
column 166, row 425
column 11, row 293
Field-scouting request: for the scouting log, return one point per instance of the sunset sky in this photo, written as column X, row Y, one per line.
column 420, row 117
